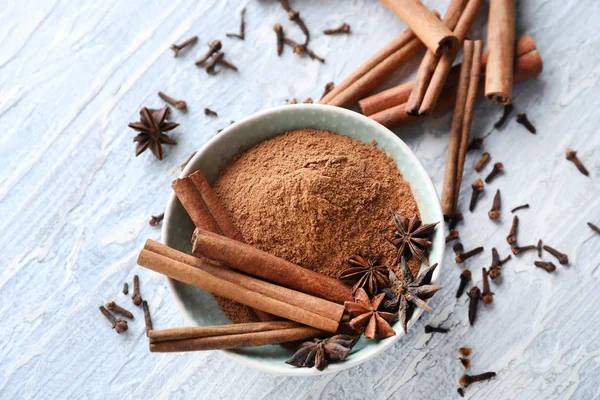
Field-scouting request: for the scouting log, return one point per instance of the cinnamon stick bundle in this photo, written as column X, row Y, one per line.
column 399, row 94
column 461, row 125
column 236, row 341
column 221, row 287
column 501, row 40
column 195, row 332
column 429, row 29
column 434, row 70
column 314, row 304
column 258, row 263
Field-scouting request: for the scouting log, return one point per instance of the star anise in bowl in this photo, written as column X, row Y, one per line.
column 412, row 238
column 409, row 292
column 366, row 274
column 151, row 128
column 366, row 316
column 319, row 352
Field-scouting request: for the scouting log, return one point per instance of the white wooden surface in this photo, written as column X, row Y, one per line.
column 75, row 201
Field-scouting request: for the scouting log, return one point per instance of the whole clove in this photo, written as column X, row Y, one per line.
column 209, row 112
column 465, row 351
column 112, row 306
column 438, row 329
column 498, row 167
column 328, row 88
column 462, row 257
column 487, row 296
column 302, row 49
column 475, row 144
column 520, row 249
column 466, row 380
column 137, row 299
column 295, row 17
column 539, row 248
column 126, row 288
column 465, row 278
column 118, row 324
column 210, row 68
column 521, row 207
column 495, row 269
column 344, row 28
column 545, row 265
column 572, row 156
column 594, row 228
column 147, row 318
column 494, row 213
column 505, row 113
column 185, row 163
column 242, row 34
column 477, row 187
column 213, row 47
column 178, row 47
column 280, row 37
column 523, row 120
column 453, row 235
column 485, row 157
column 512, row 234
column 156, row 219
column 222, row 61
column 458, row 248
column 561, row 257
column 474, row 296
column 465, row 362
column 178, row 104
column 308, row 100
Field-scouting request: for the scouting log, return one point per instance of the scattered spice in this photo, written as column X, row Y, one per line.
column 475, row 144
column 466, row 380
column 242, row 34
column 213, row 47
column 477, row 187
column 280, row 37
column 185, row 163
column 302, row 49
column 523, row 120
column 487, row 296
column 594, row 228
column 308, row 100
column 453, row 235
column 485, row 157
column 151, row 128
column 438, row 329
column 465, row 351
column 178, row 104
column 465, row 362
column 539, row 248
column 112, row 306
column 505, row 113
column 474, row 296
column 126, row 288
column 460, row 392
column 344, row 28
column 118, row 324
column 137, row 299
column 572, row 156
column 209, row 112
column 366, row 317
column 512, row 234
column 520, row 249
column 496, row 268
column 545, row 265
column 462, row 257
column 411, row 237
column 156, row 219
column 458, row 248
column 328, row 88
column 178, row 47
column 561, row 257
column 147, row 317
column 498, row 167
column 291, row 101
column 521, row 207
column 319, row 352
column 219, row 59
column 465, row 278
column 295, row 16
column 366, row 274
column 494, row 213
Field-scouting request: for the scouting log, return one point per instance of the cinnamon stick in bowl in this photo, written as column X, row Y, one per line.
column 501, row 40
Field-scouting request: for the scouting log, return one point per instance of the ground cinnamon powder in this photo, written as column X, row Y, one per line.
column 315, row 198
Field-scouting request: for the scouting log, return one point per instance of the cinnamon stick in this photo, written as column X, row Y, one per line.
column 399, row 94
column 501, row 39
column 314, row 304
column 430, row 30
column 236, row 341
column 258, row 263
column 194, row 332
column 221, row 287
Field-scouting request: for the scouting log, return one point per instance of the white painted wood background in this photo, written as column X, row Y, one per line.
column 75, row 202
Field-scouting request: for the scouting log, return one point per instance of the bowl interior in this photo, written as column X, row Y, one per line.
column 200, row 308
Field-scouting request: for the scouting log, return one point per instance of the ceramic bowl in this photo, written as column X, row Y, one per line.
column 199, row 307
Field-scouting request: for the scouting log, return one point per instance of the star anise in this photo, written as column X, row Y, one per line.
column 411, row 292
column 319, row 352
column 411, row 237
column 365, row 274
column 151, row 126
column 366, row 316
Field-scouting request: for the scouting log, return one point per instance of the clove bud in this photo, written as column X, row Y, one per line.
column 118, row 324
column 474, row 296
column 561, row 257
column 462, row 257
column 487, row 296
column 512, row 234
column 465, row 278
column 485, row 157
column 494, row 213
column 214, row 47
column 498, row 167
column 466, row 380
column 572, row 156
column 477, row 187
column 545, row 265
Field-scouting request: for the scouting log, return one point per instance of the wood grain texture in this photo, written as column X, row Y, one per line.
column 75, row 202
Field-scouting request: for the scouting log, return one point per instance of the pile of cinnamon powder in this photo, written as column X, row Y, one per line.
column 316, row 199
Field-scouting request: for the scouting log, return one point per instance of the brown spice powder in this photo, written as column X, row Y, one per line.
column 316, row 199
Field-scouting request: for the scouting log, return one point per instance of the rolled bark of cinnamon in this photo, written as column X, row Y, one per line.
column 236, row 341
column 426, row 26
column 501, row 41
column 314, row 304
column 258, row 263
column 195, row 332
column 221, row 287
